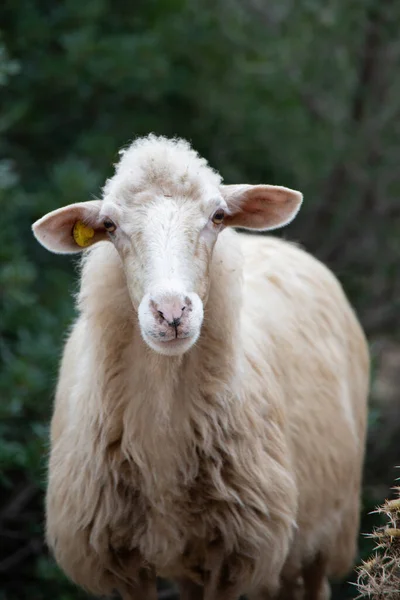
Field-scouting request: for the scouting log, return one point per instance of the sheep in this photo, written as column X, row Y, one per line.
column 210, row 414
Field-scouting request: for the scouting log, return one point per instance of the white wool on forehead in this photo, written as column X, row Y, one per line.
column 168, row 166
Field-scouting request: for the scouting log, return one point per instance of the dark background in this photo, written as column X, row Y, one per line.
column 304, row 94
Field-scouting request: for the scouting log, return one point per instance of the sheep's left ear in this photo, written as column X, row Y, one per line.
column 72, row 228
column 260, row 207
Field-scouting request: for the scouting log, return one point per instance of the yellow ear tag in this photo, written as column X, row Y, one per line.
column 82, row 234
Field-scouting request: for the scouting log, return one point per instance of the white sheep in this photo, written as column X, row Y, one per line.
column 210, row 415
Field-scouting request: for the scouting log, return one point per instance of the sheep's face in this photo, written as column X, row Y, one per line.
column 166, row 245
column 165, row 242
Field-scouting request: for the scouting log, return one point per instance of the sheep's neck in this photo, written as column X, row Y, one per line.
column 175, row 401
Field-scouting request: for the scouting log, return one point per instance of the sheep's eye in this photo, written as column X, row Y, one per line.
column 218, row 217
column 109, row 225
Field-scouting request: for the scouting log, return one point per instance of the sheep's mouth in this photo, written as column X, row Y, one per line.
column 171, row 346
column 167, row 337
column 177, row 338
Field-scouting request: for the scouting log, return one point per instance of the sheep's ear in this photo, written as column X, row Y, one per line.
column 260, row 207
column 71, row 229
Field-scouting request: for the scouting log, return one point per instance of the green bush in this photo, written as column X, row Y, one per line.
column 299, row 94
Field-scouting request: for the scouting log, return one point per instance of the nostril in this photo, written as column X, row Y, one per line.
column 174, row 323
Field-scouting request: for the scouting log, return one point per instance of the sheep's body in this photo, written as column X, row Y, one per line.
column 249, row 446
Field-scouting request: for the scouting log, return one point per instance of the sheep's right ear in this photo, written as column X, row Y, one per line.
column 71, row 229
column 260, row 207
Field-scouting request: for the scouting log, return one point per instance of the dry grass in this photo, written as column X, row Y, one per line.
column 379, row 577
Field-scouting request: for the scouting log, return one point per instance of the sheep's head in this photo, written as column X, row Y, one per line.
column 163, row 211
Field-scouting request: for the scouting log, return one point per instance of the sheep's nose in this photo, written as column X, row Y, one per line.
column 170, row 309
column 170, row 315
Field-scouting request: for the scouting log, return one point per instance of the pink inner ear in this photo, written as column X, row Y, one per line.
column 63, row 223
column 254, row 205
column 271, row 206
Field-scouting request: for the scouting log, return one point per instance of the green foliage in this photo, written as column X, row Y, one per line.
column 299, row 94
